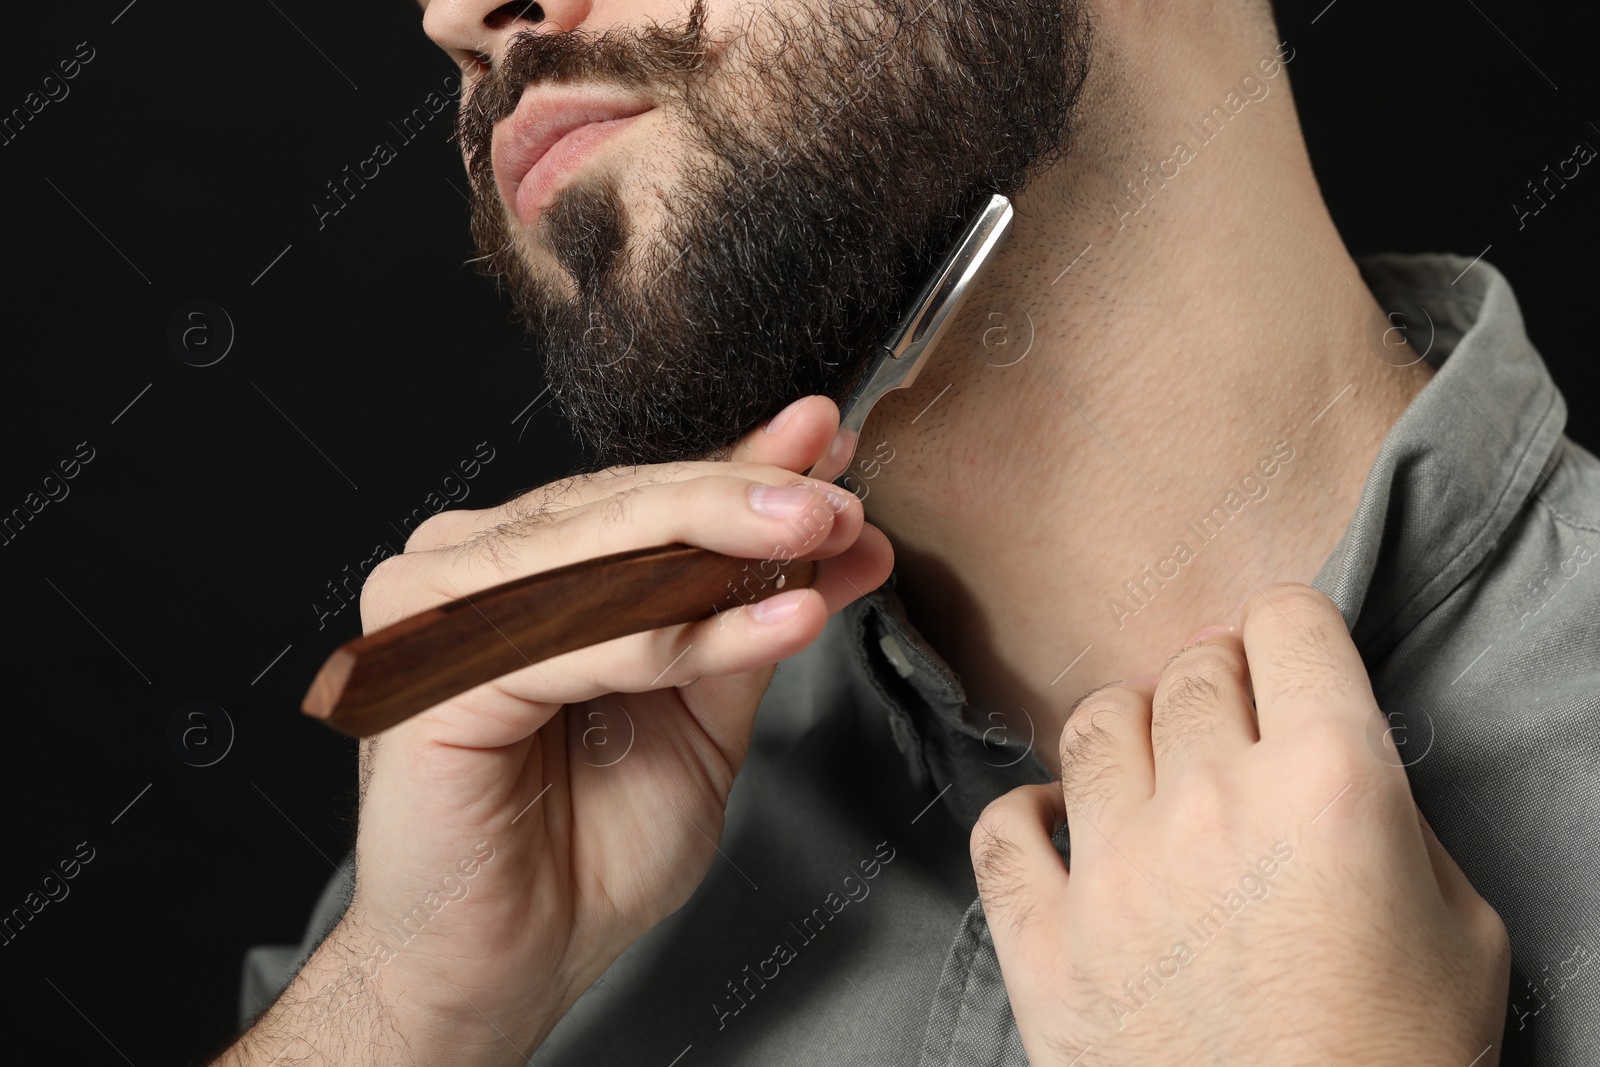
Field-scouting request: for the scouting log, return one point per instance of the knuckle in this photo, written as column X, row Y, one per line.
column 1180, row 734
column 1190, row 691
column 724, row 493
column 618, row 508
column 1305, row 667
column 436, row 531
column 501, row 545
column 1110, row 697
column 1192, row 687
column 524, row 513
column 1087, row 761
column 386, row 575
column 672, row 503
column 538, row 505
column 493, row 545
column 673, row 471
column 1085, row 739
column 1088, row 790
column 994, row 824
column 383, row 593
column 996, row 858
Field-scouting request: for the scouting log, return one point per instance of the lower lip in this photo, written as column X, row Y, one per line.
column 539, row 186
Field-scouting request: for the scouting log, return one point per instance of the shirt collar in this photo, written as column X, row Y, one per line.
column 1461, row 460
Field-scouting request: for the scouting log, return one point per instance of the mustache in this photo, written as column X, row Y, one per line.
column 627, row 57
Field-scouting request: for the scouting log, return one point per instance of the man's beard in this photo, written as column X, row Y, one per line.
column 798, row 230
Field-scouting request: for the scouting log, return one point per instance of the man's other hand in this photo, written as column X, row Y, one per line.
column 1251, row 881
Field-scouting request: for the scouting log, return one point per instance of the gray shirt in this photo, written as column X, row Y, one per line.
column 841, row 925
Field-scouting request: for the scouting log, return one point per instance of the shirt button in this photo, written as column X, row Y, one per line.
column 895, row 655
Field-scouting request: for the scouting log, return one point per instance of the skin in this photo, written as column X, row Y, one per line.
column 1186, row 343
column 1244, row 871
column 582, row 859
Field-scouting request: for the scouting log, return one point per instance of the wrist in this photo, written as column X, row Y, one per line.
column 464, row 1005
column 356, row 1003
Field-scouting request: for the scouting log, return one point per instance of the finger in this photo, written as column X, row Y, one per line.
column 790, row 442
column 1304, row 667
column 855, row 572
column 1106, row 762
column 512, row 707
column 727, row 513
column 742, row 639
column 1021, row 877
column 1201, row 708
column 733, row 658
column 737, row 647
column 555, row 500
column 722, row 513
column 541, row 504
column 794, row 438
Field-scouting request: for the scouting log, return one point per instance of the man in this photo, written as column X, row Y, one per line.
column 1173, row 392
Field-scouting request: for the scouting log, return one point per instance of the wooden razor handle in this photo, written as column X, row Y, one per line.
column 375, row 681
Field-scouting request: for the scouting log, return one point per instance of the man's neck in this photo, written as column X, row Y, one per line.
column 1207, row 385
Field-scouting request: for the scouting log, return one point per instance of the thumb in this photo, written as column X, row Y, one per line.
column 794, row 439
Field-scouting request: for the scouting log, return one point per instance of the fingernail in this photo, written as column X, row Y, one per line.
column 777, row 608
column 781, row 418
column 1210, row 631
column 840, row 451
column 779, row 503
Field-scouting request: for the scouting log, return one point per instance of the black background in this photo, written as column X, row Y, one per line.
column 369, row 360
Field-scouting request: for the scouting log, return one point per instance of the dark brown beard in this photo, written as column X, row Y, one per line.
column 783, row 261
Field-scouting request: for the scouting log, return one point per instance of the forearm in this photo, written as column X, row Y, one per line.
column 352, row 1007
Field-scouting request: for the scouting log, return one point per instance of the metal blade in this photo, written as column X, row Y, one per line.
column 900, row 357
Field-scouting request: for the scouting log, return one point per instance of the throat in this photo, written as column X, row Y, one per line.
column 1037, row 590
